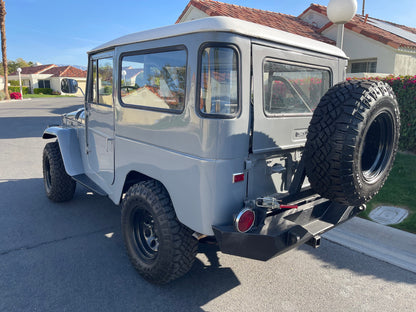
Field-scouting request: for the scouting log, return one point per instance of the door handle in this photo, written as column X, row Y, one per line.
column 107, row 140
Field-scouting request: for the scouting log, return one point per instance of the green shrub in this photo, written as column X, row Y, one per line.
column 42, row 91
column 108, row 90
column 14, row 83
column 405, row 89
column 25, row 90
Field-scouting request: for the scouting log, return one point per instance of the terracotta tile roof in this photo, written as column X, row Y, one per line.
column 66, row 71
column 358, row 25
column 32, row 70
column 280, row 21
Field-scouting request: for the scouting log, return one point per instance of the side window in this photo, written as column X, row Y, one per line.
column 218, row 94
column 293, row 89
column 101, row 91
column 154, row 80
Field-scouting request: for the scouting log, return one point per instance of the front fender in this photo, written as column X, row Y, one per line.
column 69, row 146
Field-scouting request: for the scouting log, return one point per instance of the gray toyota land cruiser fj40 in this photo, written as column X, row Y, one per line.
column 225, row 131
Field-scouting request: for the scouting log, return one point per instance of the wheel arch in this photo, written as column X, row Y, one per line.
column 69, row 147
column 134, row 177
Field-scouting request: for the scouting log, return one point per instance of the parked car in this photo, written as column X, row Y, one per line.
column 226, row 131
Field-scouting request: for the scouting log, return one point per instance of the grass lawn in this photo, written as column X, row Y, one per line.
column 399, row 191
column 35, row 96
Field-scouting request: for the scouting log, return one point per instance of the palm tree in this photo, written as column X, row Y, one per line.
column 3, row 45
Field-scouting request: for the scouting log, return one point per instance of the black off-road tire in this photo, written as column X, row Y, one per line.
column 352, row 141
column 158, row 245
column 59, row 186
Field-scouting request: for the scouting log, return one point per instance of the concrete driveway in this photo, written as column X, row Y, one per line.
column 70, row 256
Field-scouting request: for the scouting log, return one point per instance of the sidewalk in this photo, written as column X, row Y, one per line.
column 379, row 241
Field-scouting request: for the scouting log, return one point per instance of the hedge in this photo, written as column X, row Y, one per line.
column 42, row 91
column 405, row 89
column 25, row 90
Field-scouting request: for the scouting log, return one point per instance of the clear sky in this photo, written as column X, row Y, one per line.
column 61, row 32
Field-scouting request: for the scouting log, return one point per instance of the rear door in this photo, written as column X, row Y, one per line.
column 287, row 87
column 286, row 95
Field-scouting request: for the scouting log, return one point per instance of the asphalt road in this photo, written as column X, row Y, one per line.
column 70, row 256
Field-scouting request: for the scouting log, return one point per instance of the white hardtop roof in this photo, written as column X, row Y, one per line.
column 225, row 24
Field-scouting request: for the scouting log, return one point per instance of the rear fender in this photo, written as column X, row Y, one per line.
column 69, row 146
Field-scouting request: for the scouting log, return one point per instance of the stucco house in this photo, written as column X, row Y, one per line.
column 50, row 76
column 375, row 47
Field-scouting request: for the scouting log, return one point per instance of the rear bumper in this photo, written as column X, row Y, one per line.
column 276, row 234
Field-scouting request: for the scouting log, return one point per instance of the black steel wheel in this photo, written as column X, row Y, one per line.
column 352, row 141
column 158, row 245
column 59, row 186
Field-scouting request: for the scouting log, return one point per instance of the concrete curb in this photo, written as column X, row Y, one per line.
column 379, row 241
column 16, row 101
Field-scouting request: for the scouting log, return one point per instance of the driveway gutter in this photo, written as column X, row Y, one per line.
column 375, row 240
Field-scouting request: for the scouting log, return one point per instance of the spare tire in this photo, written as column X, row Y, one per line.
column 352, row 141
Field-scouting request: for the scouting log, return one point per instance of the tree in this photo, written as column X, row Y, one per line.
column 3, row 46
column 12, row 66
column 19, row 63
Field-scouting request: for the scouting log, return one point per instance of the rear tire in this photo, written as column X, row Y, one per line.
column 352, row 141
column 158, row 245
column 59, row 186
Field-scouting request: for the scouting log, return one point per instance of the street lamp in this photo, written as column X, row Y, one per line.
column 341, row 12
column 19, row 70
column 124, row 73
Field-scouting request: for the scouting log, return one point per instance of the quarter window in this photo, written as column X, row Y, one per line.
column 219, row 82
column 154, row 80
column 292, row 89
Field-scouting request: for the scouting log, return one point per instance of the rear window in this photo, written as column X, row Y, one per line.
column 293, row 89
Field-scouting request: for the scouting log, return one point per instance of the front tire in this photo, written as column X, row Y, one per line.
column 59, row 186
column 158, row 245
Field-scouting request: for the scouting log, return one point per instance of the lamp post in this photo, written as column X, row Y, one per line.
column 19, row 70
column 124, row 73
column 341, row 12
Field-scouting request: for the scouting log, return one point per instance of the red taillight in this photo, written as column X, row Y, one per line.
column 238, row 177
column 244, row 220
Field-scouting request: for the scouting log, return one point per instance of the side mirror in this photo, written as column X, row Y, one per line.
column 69, row 85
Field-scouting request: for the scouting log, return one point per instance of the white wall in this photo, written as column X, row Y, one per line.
column 56, row 84
column 359, row 47
column 405, row 64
